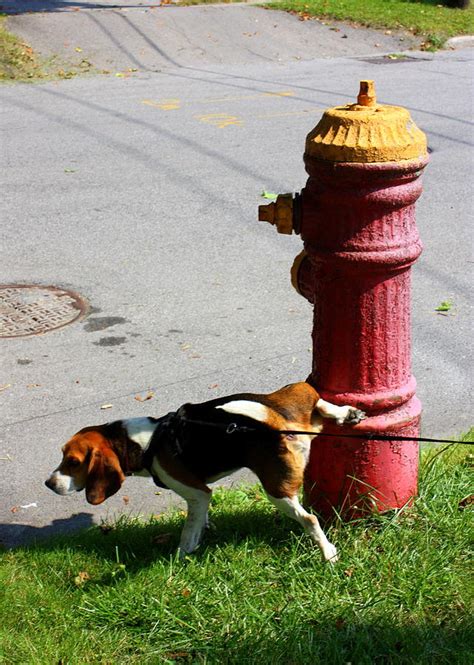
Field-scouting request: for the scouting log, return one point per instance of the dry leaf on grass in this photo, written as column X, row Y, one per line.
column 81, row 578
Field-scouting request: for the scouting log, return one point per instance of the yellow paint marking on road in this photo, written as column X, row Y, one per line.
column 220, row 120
column 287, row 113
column 164, row 105
column 285, row 93
column 175, row 104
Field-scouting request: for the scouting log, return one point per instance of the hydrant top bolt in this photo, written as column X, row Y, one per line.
column 366, row 96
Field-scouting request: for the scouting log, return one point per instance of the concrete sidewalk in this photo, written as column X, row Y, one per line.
column 130, row 37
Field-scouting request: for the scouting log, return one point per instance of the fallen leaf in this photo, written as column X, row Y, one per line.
column 126, row 500
column 78, row 49
column 34, row 385
column 106, row 406
column 15, row 509
column 148, row 396
column 186, row 593
column 268, row 195
column 445, row 306
column 467, row 502
column 5, row 386
column 176, row 655
column 81, row 578
column 349, row 572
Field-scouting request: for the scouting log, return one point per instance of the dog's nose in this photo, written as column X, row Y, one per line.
column 49, row 483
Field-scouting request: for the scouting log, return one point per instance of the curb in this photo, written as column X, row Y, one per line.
column 464, row 41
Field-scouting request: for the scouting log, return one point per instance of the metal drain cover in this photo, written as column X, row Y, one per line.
column 33, row 310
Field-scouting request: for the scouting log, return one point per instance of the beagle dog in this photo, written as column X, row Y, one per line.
column 201, row 443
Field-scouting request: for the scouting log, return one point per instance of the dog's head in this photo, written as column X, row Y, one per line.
column 89, row 463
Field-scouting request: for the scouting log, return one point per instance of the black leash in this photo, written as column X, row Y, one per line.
column 233, row 428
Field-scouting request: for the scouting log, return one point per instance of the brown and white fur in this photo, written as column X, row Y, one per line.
column 98, row 458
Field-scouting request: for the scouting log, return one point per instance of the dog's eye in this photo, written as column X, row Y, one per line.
column 73, row 461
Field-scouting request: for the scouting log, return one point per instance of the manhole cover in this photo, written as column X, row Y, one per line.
column 34, row 310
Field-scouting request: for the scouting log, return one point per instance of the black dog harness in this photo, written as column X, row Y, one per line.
column 167, row 433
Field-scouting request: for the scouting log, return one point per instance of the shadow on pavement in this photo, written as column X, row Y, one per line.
column 15, row 535
column 28, row 6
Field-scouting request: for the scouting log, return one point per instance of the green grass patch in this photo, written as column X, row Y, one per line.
column 256, row 591
column 17, row 60
column 429, row 19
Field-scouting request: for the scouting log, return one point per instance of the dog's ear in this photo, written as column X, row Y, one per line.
column 104, row 476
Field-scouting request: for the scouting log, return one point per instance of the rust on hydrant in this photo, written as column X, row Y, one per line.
column 356, row 218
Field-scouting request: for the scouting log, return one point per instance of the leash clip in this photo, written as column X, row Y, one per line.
column 231, row 428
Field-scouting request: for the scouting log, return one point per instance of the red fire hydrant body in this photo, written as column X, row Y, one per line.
column 357, row 220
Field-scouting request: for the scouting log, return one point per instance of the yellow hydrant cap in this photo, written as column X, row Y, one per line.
column 366, row 132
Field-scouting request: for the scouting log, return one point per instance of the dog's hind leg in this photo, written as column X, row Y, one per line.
column 343, row 415
column 290, row 506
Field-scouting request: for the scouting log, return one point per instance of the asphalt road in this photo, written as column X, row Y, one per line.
column 140, row 192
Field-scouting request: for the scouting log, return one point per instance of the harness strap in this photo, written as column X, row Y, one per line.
column 165, row 430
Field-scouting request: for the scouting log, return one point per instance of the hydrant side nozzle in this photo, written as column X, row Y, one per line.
column 266, row 213
column 279, row 213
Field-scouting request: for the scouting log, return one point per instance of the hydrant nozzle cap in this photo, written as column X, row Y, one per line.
column 366, row 132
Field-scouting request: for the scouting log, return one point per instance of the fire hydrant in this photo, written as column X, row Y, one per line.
column 356, row 216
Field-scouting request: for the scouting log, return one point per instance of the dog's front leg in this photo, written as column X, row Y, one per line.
column 196, row 521
column 343, row 415
column 197, row 496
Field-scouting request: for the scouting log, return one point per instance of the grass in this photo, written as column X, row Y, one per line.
column 256, row 592
column 18, row 61
column 429, row 19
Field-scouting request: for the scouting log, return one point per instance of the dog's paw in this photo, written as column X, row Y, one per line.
column 330, row 554
column 355, row 416
column 352, row 416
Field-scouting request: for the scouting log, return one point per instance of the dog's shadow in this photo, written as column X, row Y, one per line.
column 137, row 543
